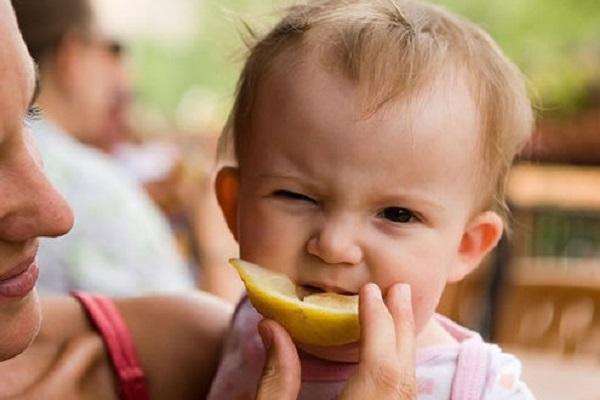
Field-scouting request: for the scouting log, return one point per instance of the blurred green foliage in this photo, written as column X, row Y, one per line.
column 210, row 60
column 556, row 43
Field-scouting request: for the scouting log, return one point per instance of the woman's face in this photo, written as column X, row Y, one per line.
column 29, row 205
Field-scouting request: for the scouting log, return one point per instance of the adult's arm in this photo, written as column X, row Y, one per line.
column 178, row 341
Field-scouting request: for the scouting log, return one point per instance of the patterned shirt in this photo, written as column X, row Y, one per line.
column 468, row 370
column 121, row 244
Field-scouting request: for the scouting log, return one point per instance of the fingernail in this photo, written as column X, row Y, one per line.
column 374, row 290
column 265, row 335
column 404, row 292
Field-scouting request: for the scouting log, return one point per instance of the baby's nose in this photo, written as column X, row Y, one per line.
column 336, row 243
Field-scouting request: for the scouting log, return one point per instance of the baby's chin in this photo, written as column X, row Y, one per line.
column 348, row 353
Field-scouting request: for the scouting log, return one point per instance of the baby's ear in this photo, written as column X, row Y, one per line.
column 479, row 238
column 227, row 189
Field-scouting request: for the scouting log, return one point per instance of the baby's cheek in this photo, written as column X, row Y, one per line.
column 424, row 304
column 420, row 311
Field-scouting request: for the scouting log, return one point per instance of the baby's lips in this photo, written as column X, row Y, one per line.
column 317, row 287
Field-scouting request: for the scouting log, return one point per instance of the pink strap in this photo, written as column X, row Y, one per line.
column 117, row 338
column 471, row 371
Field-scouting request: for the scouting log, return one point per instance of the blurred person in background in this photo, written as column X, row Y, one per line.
column 121, row 244
column 96, row 112
column 177, row 173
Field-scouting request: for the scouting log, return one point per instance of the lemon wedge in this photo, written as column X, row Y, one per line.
column 321, row 319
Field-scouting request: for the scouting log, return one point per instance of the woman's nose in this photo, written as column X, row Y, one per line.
column 53, row 213
column 336, row 242
column 30, row 206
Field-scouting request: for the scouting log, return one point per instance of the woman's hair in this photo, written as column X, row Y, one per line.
column 45, row 23
column 391, row 49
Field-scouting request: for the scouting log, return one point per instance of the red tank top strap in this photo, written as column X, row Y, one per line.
column 116, row 336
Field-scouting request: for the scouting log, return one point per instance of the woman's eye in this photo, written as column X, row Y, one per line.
column 34, row 113
column 286, row 194
column 398, row 215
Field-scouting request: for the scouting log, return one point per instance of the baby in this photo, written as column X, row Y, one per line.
column 372, row 140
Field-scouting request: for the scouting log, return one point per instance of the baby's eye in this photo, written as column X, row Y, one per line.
column 286, row 194
column 397, row 215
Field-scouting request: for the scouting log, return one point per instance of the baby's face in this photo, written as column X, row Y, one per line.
column 334, row 200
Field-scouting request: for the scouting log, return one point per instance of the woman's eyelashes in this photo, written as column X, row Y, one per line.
column 295, row 196
column 34, row 113
column 398, row 215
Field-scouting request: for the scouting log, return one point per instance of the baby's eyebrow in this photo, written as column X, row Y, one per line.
column 428, row 201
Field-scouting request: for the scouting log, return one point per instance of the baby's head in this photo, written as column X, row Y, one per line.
column 372, row 140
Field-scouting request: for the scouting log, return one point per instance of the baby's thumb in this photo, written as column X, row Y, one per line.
column 281, row 375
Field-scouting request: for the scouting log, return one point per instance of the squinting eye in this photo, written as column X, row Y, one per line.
column 293, row 196
column 397, row 215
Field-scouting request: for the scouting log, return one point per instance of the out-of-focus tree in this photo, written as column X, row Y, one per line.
column 179, row 78
column 556, row 42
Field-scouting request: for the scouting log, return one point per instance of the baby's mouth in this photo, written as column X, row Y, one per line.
column 306, row 289
column 347, row 353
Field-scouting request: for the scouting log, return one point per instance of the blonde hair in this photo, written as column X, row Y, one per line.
column 393, row 48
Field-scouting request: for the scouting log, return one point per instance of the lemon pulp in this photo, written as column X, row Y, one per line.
column 321, row 319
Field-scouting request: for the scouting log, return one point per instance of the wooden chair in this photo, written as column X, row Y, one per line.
column 551, row 299
column 551, row 316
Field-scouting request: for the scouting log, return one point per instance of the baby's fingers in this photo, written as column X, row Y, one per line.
column 376, row 326
column 399, row 304
column 387, row 365
column 281, row 374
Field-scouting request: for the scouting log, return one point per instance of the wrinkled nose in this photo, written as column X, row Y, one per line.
column 336, row 242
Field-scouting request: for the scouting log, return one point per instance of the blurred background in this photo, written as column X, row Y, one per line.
column 539, row 294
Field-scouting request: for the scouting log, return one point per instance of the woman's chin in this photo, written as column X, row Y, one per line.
column 20, row 322
column 348, row 353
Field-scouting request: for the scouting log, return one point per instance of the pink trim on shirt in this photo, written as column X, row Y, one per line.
column 471, row 371
column 459, row 333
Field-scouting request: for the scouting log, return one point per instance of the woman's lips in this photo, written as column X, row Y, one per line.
column 19, row 281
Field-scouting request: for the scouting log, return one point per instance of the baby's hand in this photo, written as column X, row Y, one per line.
column 385, row 374
column 381, row 374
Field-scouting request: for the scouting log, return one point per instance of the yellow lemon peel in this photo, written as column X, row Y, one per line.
column 321, row 319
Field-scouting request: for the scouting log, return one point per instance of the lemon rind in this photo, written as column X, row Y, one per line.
column 301, row 319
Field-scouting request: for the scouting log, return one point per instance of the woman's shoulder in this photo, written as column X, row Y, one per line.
column 177, row 340
column 65, row 360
